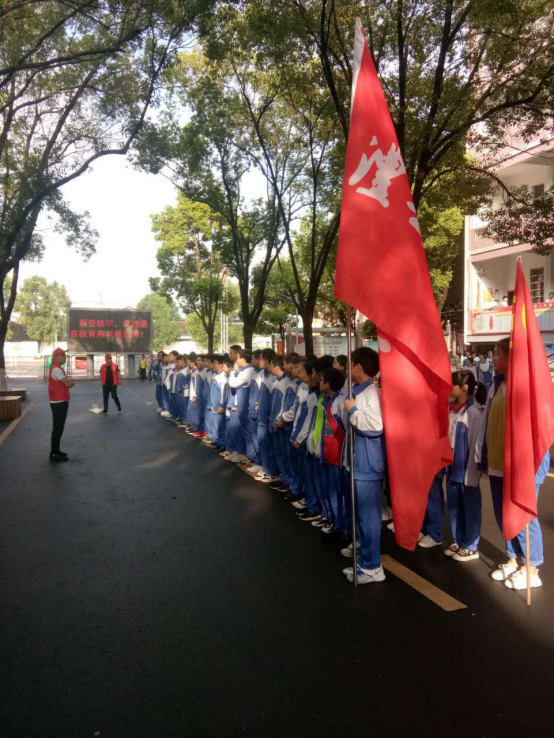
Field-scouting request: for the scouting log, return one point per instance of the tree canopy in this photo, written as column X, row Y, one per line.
column 42, row 307
column 165, row 317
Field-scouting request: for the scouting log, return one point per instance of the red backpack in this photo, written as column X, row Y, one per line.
column 333, row 438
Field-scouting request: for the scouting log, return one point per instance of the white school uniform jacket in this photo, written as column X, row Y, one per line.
column 193, row 376
column 290, row 400
column 304, row 421
column 168, row 380
column 464, row 430
column 367, row 421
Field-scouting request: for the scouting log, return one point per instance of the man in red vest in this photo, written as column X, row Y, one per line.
column 111, row 378
column 58, row 392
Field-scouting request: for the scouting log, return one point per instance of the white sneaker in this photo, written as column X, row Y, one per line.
column 299, row 503
column 504, row 572
column 390, row 526
column 347, row 551
column 233, row 457
column 386, row 513
column 452, row 549
column 165, row 414
column 518, row 581
column 427, row 542
column 254, row 468
column 365, row 577
column 263, row 477
column 242, row 459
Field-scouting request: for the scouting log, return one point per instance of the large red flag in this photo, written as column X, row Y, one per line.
column 529, row 429
column 382, row 271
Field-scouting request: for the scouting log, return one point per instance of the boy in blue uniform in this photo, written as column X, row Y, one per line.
column 253, row 403
column 365, row 417
column 269, row 472
column 307, row 397
column 218, row 402
column 286, row 421
column 276, row 425
column 158, row 377
column 241, row 382
column 333, row 437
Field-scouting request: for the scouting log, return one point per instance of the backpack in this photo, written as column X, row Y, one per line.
column 333, row 438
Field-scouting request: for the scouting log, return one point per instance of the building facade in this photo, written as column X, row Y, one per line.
column 490, row 268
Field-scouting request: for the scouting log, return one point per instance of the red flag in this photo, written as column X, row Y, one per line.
column 382, row 271
column 529, row 431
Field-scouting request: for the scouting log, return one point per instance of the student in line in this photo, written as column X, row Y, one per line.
column 365, row 416
column 269, row 473
column 253, row 403
column 276, row 425
column 332, row 442
column 462, row 476
column 490, row 458
column 158, row 378
column 303, row 424
column 313, row 444
column 218, row 402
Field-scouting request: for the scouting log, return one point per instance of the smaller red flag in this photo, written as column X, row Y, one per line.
column 529, row 431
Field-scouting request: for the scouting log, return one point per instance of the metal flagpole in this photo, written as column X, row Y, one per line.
column 528, row 565
column 351, row 456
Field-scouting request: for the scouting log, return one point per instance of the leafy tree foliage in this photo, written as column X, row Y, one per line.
column 165, row 317
column 42, row 307
column 76, row 81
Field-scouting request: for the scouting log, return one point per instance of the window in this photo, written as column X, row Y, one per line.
column 538, row 191
column 537, row 285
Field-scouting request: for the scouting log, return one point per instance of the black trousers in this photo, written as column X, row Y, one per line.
column 107, row 389
column 59, row 414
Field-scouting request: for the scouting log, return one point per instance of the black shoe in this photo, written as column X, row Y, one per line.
column 289, row 497
column 63, row 454
column 275, row 485
column 119, row 408
column 57, row 457
column 284, row 489
column 103, row 413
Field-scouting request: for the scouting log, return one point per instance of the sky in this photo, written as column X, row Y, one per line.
column 120, row 201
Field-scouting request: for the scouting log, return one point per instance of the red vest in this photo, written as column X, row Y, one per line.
column 114, row 373
column 56, row 389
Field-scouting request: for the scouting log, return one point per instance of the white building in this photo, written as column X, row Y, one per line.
column 490, row 268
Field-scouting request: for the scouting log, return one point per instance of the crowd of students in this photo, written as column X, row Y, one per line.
column 286, row 419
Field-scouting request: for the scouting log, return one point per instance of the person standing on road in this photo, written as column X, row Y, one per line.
column 58, row 392
column 142, row 368
column 111, row 378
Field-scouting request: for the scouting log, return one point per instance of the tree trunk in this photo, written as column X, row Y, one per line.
column 442, row 301
column 3, row 334
column 39, row 346
column 307, row 320
column 210, row 334
column 248, row 333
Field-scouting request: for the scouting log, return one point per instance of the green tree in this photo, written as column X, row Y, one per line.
column 198, row 333
column 42, row 307
column 457, row 75
column 189, row 260
column 76, row 81
column 206, row 160
column 165, row 317
column 279, row 304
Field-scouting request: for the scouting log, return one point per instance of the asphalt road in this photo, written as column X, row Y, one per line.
column 148, row 588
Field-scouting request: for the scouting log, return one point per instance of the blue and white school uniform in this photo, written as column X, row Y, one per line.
column 172, row 387
column 369, row 470
column 336, row 474
column 288, row 413
column 180, row 383
column 165, row 392
column 462, row 476
column 253, row 403
column 241, row 382
column 193, row 414
column 278, row 434
column 218, row 401
column 302, row 427
column 299, row 455
column 516, row 547
column 485, row 373
column 319, row 471
column 265, row 442
column 159, row 384
column 235, row 439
